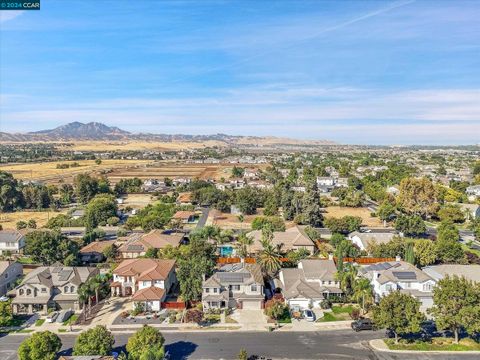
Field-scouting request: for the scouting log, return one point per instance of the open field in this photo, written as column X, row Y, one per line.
column 364, row 213
column 137, row 201
column 48, row 172
column 9, row 220
column 138, row 145
column 160, row 170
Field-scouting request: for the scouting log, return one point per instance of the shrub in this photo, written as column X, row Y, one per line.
column 326, row 304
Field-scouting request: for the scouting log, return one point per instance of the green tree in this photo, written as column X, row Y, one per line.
column 418, row 197
column 95, row 341
column 99, row 210
column 312, row 206
column 47, row 247
column 410, row 253
column 276, row 223
column 237, row 171
column 271, row 205
column 269, row 257
column 145, row 339
column 243, row 243
column 448, row 248
column 399, row 313
column 344, row 225
column 425, row 252
column 42, row 345
column 10, row 195
column 410, row 225
column 363, row 293
column 247, row 200
column 452, row 213
column 86, row 187
column 6, row 315
column 456, row 305
column 386, row 211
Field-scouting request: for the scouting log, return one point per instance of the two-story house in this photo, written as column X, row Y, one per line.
column 294, row 238
column 11, row 241
column 93, row 252
column 363, row 240
column 51, row 287
column 399, row 275
column 148, row 281
column 137, row 244
column 10, row 271
column 310, row 283
column 234, row 286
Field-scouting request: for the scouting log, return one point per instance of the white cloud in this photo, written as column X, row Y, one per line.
column 9, row 15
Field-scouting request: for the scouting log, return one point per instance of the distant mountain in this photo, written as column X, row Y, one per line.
column 95, row 131
column 89, row 131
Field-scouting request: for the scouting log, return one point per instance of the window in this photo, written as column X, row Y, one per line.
column 6, row 275
column 214, row 304
column 72, row 289
column 236, row 287
column 215, row 290
column 329, row 282
column 388, row 287
column 207, row 290
column 145, row 283
column 427, row 287
column 254, row 287
column 21, row 291
column 44, row 290
column 65, row 289
column 29, row 292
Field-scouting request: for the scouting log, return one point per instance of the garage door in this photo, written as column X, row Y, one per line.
column 251, row 305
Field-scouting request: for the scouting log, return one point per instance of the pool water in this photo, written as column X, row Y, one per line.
column 226, row 251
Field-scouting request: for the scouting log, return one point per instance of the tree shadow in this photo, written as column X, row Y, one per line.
column 180, row 350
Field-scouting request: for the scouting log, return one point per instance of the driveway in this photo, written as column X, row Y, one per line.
column 250, row 320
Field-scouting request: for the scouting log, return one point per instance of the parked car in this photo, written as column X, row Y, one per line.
column 363, row 324
column 309, row 315
column 64, row 315
column 52, row 317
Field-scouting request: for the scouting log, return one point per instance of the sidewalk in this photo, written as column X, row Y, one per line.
column 379, row 345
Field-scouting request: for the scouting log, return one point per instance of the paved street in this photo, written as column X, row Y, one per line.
column 341, row 344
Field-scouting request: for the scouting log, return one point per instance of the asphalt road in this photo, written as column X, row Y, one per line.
column 339, row 344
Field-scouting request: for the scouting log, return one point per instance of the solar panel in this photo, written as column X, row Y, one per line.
column 232, row 277
column 405, row 275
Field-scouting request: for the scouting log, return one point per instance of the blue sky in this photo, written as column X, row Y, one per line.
column 380, row 72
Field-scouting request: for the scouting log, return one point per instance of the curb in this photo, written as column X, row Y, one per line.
column 383, row 348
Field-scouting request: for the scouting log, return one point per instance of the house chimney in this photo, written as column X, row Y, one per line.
column 203, row 277
column 242, row 260
column 398, row 258
column 330, row 256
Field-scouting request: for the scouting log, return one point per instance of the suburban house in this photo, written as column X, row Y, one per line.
column 470, row 272
column 12, row 241
column 399, row 275
column 10, row 271
column 51, row 287
column 147, row 281
column 137, row 244
column 310, row 283
column 294, row 238
column 473, row 191
column 472, row 210
column 93, row 252
column 234, row 286
column 78, row 213
column 186, row 217
column 363, row 239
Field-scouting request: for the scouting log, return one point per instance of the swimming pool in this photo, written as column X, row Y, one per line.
column 226, row 251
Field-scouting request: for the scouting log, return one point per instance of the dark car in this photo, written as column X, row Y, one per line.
column 363, row 324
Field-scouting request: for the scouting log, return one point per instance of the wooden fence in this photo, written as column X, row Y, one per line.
column 173, row 305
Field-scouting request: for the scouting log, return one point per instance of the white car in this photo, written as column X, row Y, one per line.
column 309, row 315
column 52, row 317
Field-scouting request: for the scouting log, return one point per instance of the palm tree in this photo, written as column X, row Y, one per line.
column 243, row 242
column 269, row 258
column 362, row 292
column 84, row 296
column 347, row 278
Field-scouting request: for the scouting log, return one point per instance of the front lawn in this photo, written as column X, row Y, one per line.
column 39, row 322
column 71, row 320
column 338, row 313
column 437, row 344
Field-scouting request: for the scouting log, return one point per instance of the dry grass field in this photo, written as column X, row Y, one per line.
column 137, row 201
column 338, row 212
column 160, row 170
column 48, row 171
column 138, row 145
column 9, row 220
